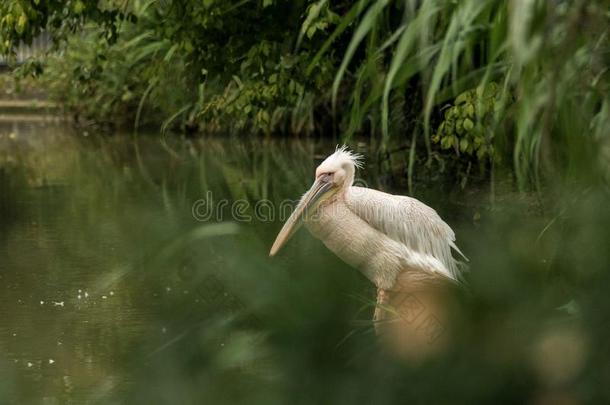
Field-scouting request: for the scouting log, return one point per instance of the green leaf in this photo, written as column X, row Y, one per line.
column 78, row 7
column 453, row 46
column 463, row 144
column 470, row 110
column 345, row 22
column 459, row 126
column 406, row 43
column 21, row 23
column 311, row 31
column 462, row 98
column 361, row 32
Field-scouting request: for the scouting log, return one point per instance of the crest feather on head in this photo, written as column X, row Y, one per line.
column 341, row 158
column 343, row 153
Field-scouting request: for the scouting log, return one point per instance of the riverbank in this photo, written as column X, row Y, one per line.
column 26, row 101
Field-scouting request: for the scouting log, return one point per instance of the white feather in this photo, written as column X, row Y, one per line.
column 342, row 156
column 410, row 222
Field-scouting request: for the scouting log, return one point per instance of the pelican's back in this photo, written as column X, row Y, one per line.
column 408, row 221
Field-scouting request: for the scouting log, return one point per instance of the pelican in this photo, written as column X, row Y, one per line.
column 400, row 244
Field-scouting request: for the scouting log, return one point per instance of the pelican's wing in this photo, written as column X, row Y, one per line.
column 408, row 221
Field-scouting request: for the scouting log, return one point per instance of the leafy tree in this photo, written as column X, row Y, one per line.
column 22, row 21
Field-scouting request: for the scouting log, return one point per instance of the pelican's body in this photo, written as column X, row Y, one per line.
column 399, row 243
column 384, row 235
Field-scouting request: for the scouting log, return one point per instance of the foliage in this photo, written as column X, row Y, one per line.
column 11, row 86
column 466, row 122
column 212, row 66
column 104, row 83
column 383, row 68
column 270, row 96
column 23, row 20
column 539, row 51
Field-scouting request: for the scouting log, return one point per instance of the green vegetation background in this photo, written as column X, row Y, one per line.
column 529, row 79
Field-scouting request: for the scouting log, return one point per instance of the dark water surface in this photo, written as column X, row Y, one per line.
column 103, row 268
column 105, row 272
column 114, row 289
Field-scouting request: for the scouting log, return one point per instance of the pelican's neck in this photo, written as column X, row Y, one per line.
column 350, row 175
column 341, row 194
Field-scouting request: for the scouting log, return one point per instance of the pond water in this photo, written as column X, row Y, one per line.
column 115, row 254
column 137, row 272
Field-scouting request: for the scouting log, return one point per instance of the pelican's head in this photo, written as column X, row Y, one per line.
column 339, row 168
column 334, row 175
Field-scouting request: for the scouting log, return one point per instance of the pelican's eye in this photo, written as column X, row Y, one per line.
column 325, row 177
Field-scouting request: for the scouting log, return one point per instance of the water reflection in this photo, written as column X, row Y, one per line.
column 104, row 267
column 60, row 332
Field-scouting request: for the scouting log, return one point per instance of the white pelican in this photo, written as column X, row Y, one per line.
column 398, row 242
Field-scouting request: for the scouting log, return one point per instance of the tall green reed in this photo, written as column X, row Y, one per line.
column 548, row 56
